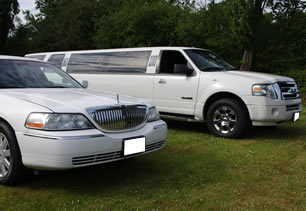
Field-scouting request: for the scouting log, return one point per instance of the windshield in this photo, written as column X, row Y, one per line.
column 207, row 61
column 31, row 74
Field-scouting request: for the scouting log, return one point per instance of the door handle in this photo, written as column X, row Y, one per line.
column 186, row 98
column 162, row 81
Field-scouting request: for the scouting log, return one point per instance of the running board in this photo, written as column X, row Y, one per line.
column 183, row 117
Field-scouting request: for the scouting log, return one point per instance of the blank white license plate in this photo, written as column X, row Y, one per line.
column 296, row 116
column 135, row 145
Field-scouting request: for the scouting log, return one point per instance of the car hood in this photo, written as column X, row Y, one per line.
column 257, row 77
column 68, row 99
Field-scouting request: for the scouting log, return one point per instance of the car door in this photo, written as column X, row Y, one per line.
column 174, row 93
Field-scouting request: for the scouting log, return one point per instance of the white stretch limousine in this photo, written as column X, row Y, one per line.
column 49, row 121
column 188, row 83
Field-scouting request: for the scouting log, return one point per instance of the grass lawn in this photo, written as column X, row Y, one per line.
column 195, row 171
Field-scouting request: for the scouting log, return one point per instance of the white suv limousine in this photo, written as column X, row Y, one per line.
column 48, row 121
column 187, row 83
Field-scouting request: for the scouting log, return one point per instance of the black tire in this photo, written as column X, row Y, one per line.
column 227, row 118
column 12, row 171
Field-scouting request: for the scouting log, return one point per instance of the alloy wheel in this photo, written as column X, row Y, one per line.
column 5, row 155
column 224, row 119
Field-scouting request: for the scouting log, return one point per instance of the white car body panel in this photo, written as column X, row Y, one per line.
column 132, row 83
column 54, row 150
column 199, row 87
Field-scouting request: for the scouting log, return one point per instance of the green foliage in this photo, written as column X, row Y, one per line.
column 138, row 23
column 21, row 41
column 8, row 10
column 274, row 28
column 62, row 25
column 216, row 33
column 283, row 49
column 239, row 13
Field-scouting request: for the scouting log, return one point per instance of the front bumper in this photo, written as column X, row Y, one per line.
column 267, row 112
column 45, row 150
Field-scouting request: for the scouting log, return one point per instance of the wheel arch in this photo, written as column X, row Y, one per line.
column 7, row 123
column 17, row 172
column 222, row 95
column 12, row 130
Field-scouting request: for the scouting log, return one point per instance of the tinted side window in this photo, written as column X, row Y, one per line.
column 113, row 62
column 56, row 59
column 39, row 57
column 169, row 59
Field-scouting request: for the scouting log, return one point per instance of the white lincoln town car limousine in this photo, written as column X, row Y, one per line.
column 48, row 121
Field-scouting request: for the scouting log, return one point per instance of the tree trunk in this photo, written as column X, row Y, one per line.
column 247, row 60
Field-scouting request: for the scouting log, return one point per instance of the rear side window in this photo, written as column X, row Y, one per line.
column 39, row 57
column 112, row 62
column 56, row 59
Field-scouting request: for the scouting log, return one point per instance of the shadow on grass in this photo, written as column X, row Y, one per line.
column 159, row 169
column 282, row 132
column 150, row 172
column 187, row 126
column 95, row 178
column 287, row 131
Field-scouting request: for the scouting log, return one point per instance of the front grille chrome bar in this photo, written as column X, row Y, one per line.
column 119, row 117
column 289, row 90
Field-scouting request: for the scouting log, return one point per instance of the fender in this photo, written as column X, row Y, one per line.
column 205, row 93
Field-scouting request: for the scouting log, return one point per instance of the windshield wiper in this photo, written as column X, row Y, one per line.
column 212, row 68
column 56, row 86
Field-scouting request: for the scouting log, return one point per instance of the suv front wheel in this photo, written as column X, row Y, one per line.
column 227, row 118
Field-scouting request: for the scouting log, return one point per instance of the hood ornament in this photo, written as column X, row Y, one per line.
column 117, row 98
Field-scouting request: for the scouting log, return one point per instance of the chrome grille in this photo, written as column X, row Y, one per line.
column 111, row 156
column 98, row 158
column 154, row 146
column 293, row 107
column 289, row 90
column 120, row 117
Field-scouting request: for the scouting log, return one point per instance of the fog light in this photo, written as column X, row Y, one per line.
column 275, row 112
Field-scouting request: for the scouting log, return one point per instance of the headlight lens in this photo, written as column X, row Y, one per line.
column 267, row 90
column 153, row 114
column 51, row 121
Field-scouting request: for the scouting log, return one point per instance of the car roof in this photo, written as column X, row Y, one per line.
column 118, row 50
column 5, row 57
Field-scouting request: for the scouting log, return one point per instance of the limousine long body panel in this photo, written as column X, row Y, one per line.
column 161, row 76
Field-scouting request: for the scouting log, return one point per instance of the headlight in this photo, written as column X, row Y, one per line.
column 268, row 90
column 51, row 121
column 153, row 114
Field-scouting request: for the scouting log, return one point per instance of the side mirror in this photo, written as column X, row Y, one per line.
column 84, row 83
column 183, row 69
